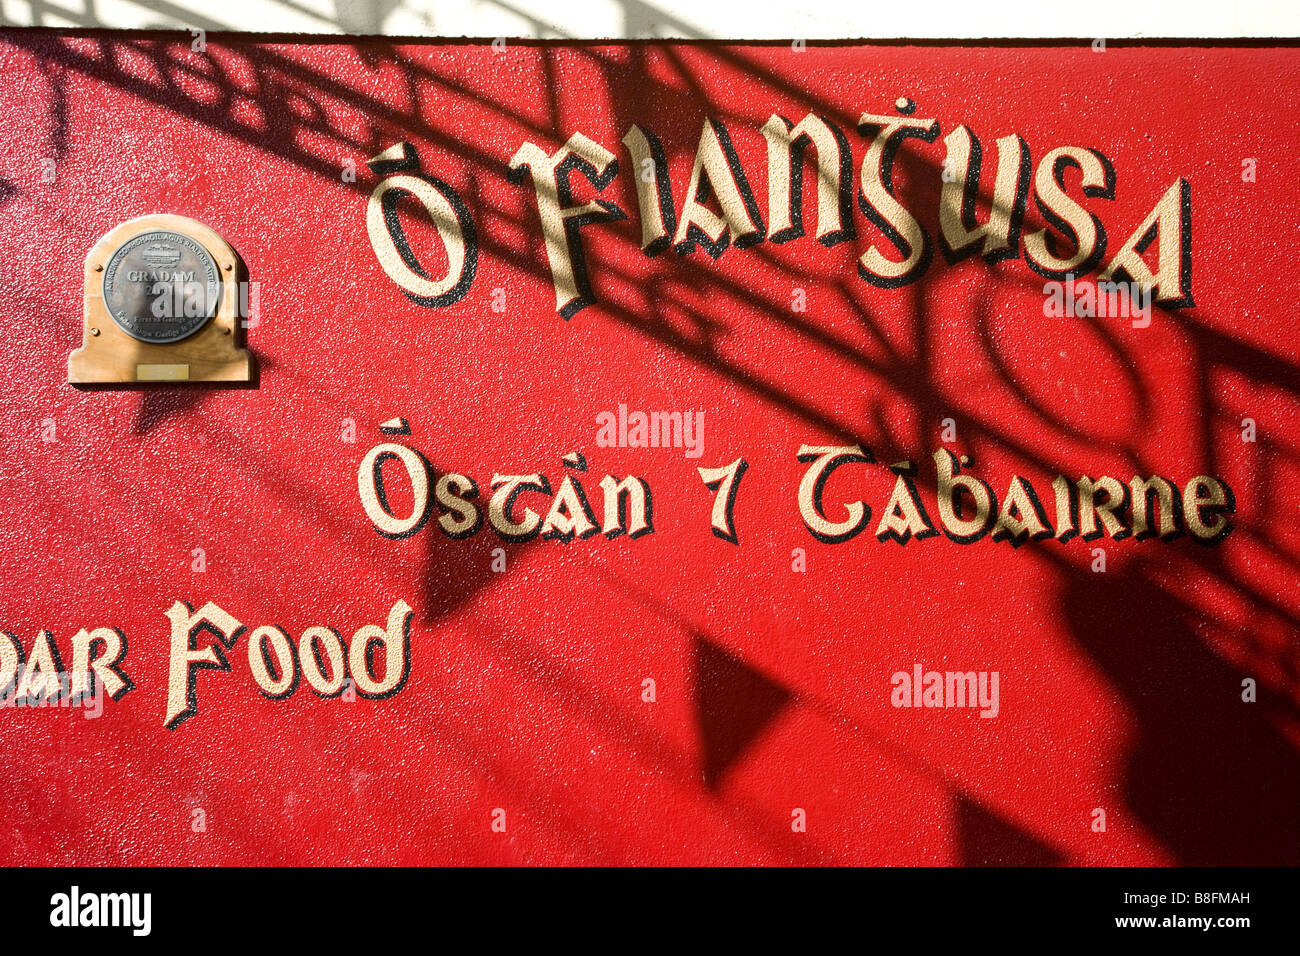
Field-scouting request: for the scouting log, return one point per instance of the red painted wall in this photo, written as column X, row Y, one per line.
column 1119, row 690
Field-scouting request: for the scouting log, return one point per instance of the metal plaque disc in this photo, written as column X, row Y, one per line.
column 161, row 286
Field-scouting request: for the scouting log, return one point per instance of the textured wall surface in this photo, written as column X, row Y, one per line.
column 1119, row 690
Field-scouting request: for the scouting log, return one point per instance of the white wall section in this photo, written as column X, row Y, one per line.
column 679, row 19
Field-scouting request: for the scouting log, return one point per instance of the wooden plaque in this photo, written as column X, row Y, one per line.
column 197, row 337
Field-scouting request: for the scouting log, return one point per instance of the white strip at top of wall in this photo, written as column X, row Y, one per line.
column 682, row 19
